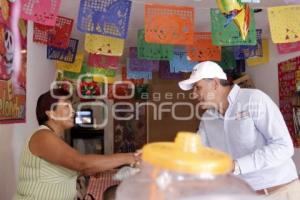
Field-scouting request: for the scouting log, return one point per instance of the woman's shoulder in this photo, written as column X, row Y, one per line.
column 41, row 140
column 41, row 133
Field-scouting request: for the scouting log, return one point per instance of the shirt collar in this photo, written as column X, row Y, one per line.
column 233, row 93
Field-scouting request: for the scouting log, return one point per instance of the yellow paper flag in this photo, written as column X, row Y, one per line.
column 260, row 60
column 103, row 79
column 104, row 45
column 284, row 23
column 71, row 67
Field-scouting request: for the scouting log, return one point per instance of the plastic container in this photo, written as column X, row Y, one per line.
column 184, row 170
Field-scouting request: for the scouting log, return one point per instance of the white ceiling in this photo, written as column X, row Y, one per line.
column 202, row 16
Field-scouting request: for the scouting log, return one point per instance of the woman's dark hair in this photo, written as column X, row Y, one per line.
column 46, row 100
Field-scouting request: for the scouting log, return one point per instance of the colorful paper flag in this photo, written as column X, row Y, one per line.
column 105, row 17
column 285, row 48
column 246, row 51
column 169, row 24
column 136, row 64
column 165, row 73
column 97, row 60
column 152, row 51
column 41, row 11
column 284, row 23
column 180, row 63
column 55, row 36
column 71, row 67
column 230, row 35
column 228, row 61
column 99, row 44
column 203, row 48
column 65, row 55
column 260, row 60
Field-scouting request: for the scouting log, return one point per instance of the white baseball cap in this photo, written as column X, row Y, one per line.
column 207, row 69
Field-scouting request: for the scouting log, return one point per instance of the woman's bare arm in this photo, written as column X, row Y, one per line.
column 48, row 146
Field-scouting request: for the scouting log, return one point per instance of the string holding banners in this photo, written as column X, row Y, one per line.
column 152, row 51
column 136, row 64
column 65, row 55
column 180, row 63
column 99, row 44
column 105, row 17
column 40, row 11
column 230, row 35
column 246, row 51
column 203, row 48
column 284, row 23
column 169, row 24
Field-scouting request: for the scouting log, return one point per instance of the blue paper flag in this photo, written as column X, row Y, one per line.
column 65, row 55
column 164, row 71
column 105, row 17
column 247, row 51
column 136, row 64
column 137, row 74
column 180, row 63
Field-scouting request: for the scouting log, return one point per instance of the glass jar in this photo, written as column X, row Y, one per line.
column 184, row 170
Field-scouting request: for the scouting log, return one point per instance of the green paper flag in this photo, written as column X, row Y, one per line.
column 152, row 51
column 230, row 35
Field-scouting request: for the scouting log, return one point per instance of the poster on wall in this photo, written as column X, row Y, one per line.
column 12, row 64
column 130, row 127
column 289, row 79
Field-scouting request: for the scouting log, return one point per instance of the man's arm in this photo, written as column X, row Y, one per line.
column 270, row 123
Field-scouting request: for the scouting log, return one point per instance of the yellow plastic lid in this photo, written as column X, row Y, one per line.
column 187, row 155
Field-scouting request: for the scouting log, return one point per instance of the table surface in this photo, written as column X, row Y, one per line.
column 97, row 185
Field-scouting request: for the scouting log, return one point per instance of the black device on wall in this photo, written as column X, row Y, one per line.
column 93, row 139
column 84, row 118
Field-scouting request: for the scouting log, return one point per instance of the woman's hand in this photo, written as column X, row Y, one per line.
column 134, row 158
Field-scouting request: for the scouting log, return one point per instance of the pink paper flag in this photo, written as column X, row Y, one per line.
column 40, row 11
column 285, row 48
column 97, row 60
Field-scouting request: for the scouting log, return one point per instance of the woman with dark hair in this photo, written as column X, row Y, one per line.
column 49, row 166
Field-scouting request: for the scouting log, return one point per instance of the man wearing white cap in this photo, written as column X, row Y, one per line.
column 248, row 125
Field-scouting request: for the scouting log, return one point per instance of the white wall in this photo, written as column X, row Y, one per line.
column 40, row 73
